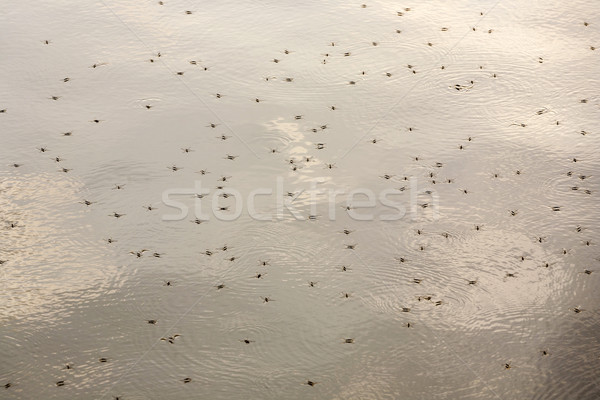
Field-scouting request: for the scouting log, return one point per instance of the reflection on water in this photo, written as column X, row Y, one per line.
column 479, row 119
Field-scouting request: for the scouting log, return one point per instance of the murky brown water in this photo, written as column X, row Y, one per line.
column 437, row 303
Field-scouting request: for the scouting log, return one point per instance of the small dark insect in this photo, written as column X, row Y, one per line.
column 577, row 310
column 103, row 359
column 544, row 352
column 186, row 380
column 7, row 385
column 348, row 340
column 220, row 286
column 405, row 309
column 417, row 280
column 152, row 321
column 60, row 383
column 513, row 212
column 311, row 383
column 511, row 275
column 312, row 284
column 507, row 366
column 264, row 263
column 116, row 215
column 472, row 282
column 230, row 157
column 350, row 246
column 247, row 341
column 87, row 202
column 267, row 299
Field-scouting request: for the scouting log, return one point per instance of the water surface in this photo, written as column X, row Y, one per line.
column 495, row 290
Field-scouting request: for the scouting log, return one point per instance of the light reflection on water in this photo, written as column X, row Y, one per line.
column 507, row 285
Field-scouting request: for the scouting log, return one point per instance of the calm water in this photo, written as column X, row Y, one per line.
column 457, row 299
